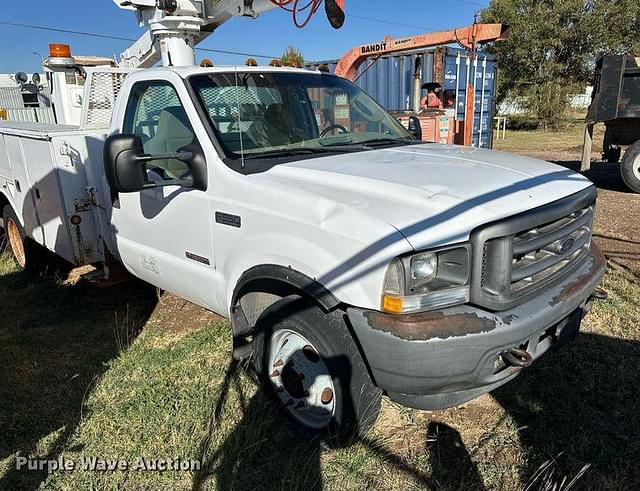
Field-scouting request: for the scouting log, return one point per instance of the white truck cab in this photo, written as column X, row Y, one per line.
column 351, row 259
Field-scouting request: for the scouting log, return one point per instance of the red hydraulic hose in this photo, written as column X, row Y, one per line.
column 335, row 10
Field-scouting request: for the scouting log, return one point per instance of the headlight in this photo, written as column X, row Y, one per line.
column 427, row 281
column 424, row 268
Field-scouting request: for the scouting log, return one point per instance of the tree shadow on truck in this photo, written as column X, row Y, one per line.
column 56, row 340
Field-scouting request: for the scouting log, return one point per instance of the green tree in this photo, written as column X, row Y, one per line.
column 292, row 57
column 554, row 44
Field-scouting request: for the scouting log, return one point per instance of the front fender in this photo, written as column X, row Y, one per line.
column 339, row 246
column 277, row 250
column 347, row 272
column 286, row 276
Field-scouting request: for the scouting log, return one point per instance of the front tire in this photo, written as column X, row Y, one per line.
column 309, row 362
column 630, row 167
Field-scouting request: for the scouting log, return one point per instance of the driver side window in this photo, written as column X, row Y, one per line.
column 156, row 115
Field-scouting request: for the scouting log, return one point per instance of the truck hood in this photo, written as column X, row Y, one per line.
column 433, row 194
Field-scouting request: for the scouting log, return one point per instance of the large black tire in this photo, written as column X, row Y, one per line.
column 630, row 167
column 357, row 400
column 16, row 238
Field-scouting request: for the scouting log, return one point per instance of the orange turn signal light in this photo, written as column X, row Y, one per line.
column 392, row 304
column 59, row 51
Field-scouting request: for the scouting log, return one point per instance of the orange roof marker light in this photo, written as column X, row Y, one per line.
column 60, row 58
column 206, row 63
column 59, row 51
column 251, row 62
column 275, row 63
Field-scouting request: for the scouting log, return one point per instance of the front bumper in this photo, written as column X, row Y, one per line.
column 443, row 358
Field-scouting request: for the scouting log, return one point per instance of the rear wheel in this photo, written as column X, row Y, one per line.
column 630, row 167
column 15, row 236
column 310, row 363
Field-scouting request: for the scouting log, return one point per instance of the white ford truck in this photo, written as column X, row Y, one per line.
column 351, row 260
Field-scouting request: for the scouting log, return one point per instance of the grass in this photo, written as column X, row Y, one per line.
column 70, row 388
column 121, row 373
column 566, row 140
column 55, row 343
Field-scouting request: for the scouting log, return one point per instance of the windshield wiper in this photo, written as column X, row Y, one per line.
column 331, row 148
column 369, row 144
column 302, row 151
column 379, row 142
column 281, row 153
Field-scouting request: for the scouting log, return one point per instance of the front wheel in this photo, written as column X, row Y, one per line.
column 630, row 167
column 310, row 363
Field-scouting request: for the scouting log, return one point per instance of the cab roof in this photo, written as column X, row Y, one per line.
column 189, row 71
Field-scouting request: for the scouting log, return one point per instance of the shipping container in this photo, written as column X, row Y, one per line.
column 390, row 80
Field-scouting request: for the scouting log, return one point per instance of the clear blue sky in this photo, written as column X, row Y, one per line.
column 270, row 34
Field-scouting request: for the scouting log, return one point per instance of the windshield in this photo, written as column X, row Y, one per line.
column 266, row 115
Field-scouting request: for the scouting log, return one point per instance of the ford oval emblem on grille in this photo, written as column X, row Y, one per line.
column 566, row 246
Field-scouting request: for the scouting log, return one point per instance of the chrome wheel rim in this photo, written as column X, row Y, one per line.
column 301, row 379
column 16, row 243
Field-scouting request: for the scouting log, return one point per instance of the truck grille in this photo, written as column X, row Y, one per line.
column 522, row 255
column 543, row 251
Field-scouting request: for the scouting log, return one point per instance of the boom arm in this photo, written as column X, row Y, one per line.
column 177, row 26
column 469, row 37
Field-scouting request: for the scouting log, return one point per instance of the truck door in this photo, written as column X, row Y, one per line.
column 164, row 235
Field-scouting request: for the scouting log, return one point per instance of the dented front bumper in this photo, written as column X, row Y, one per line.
column 440, row 359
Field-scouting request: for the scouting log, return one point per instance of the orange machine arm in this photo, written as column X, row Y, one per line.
column 468, row 37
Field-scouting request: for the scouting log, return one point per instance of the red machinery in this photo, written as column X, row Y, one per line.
column 431, row 120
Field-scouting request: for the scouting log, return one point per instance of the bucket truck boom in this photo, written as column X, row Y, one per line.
column 176, row 27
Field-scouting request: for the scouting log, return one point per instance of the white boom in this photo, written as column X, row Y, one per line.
column 177, row 26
